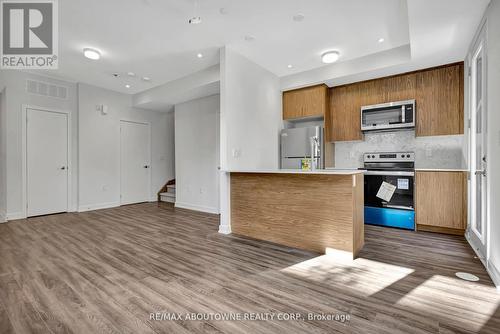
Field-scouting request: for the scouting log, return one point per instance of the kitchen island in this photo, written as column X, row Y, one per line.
column 319, row 211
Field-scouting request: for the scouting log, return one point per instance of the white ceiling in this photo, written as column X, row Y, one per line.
column 152, row 37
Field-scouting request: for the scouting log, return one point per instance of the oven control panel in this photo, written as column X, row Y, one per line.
column 389, row 157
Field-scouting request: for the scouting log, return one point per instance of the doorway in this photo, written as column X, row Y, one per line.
column 478, row 228
column 135, row 162
column 47, row 167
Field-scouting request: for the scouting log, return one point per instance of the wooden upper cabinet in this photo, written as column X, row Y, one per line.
column 441, row 201
column 305, row 102
column 344, row 121
column 440, row 109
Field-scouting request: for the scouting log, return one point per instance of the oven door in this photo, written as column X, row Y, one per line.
column 396, row 211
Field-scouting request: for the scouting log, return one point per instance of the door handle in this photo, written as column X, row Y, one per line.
column 480, row 172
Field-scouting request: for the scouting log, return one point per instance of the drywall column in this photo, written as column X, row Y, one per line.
column 250, row 121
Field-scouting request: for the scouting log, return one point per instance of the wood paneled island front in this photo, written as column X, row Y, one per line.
column 320, row 211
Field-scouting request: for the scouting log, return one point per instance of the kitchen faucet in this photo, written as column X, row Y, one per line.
column 314, row 147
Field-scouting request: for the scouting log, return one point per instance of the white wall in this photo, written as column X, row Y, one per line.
column 250, row 122
column 197, row 154
column 3, row 161
column 16, row 95
column 99, row 146
column 493, row 96
column 250, row 114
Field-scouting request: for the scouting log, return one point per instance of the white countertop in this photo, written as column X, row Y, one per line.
column 441, row 170
column 298, row 171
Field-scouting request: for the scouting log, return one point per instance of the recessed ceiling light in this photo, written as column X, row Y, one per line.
column 131, row 74
column 289, row 66
column 127, row 86
column 199, row 55
column 249, row 38
column 90, row 53
column 147, row 79
column 381, row 40
column 298, row 17
column 330, row 57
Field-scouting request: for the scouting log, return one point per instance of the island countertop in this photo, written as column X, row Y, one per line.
column 299, row 171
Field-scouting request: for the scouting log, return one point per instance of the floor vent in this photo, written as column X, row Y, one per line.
column 46, row 89
column 467, row 277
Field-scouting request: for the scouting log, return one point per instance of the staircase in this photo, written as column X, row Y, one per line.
column 167, row 194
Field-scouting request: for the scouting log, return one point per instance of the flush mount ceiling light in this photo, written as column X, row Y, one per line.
column 199, row 55
column 146, row 79
column 330, row 57
column 90, row 53
column 127, row 86
column 289, row 66
column 381, row 40
column 131, row 74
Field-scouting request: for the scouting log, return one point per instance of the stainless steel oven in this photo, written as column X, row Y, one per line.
column 389, row 189
column 388, row 116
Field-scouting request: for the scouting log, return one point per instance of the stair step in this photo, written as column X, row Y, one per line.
column 167, row 197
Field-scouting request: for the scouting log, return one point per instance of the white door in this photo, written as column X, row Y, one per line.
column 478, row 139
column 46, row 162
column 135, row 162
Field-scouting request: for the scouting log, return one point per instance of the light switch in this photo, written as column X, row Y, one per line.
column 236, row 153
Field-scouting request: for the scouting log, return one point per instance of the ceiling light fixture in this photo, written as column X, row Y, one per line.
column 127, row 86
column 147, row 79
column 381, row 40
column 298, row 17
column 199, row 55
column 131, row 74
column 290, row 66
column 330, row 57
column 90, row 53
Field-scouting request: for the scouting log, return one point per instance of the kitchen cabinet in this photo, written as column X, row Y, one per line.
column 439, row 102
column 344, row 122
column 441, row 201
column 305, row 102
column 439, row 98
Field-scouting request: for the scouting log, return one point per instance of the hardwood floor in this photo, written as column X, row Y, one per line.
column 106, row 271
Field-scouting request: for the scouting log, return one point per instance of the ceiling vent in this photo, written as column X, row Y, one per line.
column 46, row 89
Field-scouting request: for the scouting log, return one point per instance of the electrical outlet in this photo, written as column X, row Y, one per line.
column 428, row 152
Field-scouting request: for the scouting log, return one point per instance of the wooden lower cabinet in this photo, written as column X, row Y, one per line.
column 441, row 201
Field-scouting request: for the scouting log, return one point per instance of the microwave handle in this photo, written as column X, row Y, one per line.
column 403, row 114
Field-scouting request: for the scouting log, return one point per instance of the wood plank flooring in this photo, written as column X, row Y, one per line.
column 106, row 271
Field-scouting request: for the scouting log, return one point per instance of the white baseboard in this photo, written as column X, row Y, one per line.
column 92, row 207
column 224, row 229
column 494, row 274
column 15, row 216
column 3, row 218
column 193, row 207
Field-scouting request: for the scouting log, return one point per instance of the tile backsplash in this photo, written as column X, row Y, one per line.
column 430, row 152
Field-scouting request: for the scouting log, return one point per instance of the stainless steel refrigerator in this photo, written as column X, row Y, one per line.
column 297, row 144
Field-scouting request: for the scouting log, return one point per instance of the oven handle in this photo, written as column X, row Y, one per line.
column 389, row 173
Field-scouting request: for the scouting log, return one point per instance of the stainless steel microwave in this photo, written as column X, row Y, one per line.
column 388, row 116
